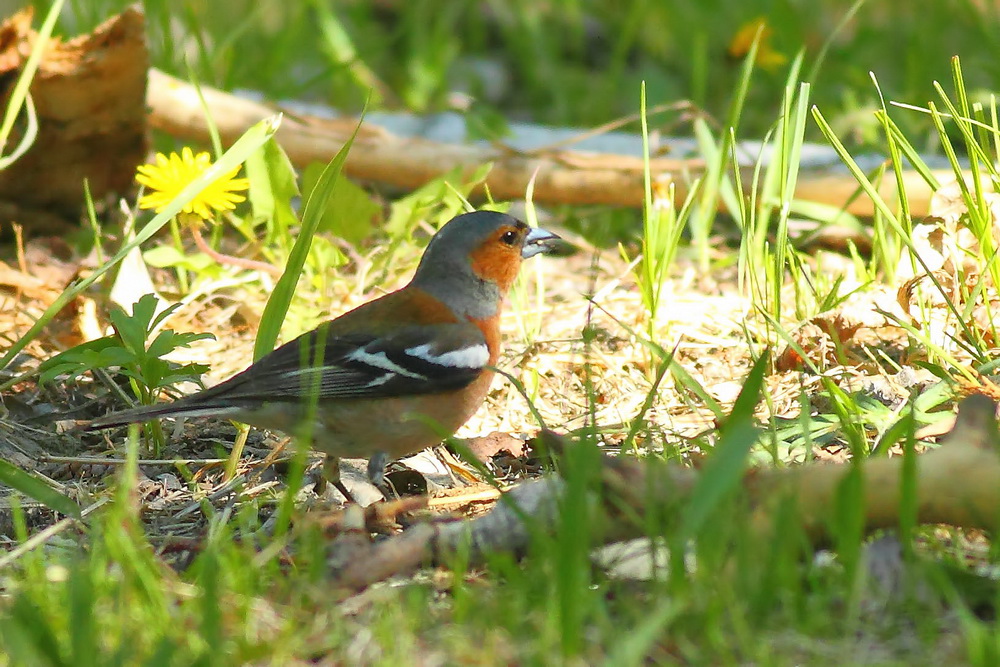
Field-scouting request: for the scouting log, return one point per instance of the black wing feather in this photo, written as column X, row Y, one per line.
column 317, row 362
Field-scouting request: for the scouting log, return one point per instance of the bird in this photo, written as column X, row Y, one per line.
column 395, row 375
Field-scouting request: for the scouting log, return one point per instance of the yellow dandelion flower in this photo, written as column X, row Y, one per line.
column 165, row 180
column 767, row 56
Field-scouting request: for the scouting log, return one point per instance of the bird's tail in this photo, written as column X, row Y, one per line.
column 182, row 407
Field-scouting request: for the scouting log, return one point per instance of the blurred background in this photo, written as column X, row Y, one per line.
column 574, row 63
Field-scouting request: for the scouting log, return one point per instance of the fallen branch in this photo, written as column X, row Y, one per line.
column 957, row 484
column 502, row 529
column 563, row 176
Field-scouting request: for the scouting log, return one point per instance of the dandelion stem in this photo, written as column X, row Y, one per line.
column 222, row 258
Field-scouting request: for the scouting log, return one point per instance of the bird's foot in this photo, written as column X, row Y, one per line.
column 331, row 475
column 376, row 468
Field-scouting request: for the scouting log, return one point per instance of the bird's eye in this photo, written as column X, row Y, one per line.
column 509, row 237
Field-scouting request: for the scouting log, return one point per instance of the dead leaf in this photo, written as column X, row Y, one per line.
column 484, row 448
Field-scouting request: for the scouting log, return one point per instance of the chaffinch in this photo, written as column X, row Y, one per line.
column 396, row 374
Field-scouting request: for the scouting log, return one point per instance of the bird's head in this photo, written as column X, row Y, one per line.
column 473, row 260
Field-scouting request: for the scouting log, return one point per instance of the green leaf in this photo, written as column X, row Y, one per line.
column 34, row 487
column 164, row 256
column 151, row 373
column 169, row 340
column 82, row 361
column 132, row 329
column 355, row 213
column 167, row 256
column 281, row 297
column 77, row 360
column 186, row 373
column 324, row 256
column 164, row 314
column 128, row 351
column 272, row 190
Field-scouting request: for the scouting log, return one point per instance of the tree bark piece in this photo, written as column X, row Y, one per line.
column 89, row 94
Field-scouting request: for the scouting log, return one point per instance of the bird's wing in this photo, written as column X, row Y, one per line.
column 421, row 359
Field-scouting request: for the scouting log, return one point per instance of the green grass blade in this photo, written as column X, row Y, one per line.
column 912, row 155
column 890, row 217
column 634, row 647
column 30, row 134
column 34, row 487
column 284, row 290
column 30, row 633
column 725, row 468
column 83, row 624
column 20, row 92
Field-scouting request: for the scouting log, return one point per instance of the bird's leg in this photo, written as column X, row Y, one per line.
column 331, row 473
column 376, row 473
column 376, row 468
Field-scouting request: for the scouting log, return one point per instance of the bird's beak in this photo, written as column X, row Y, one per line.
column 540, row 241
